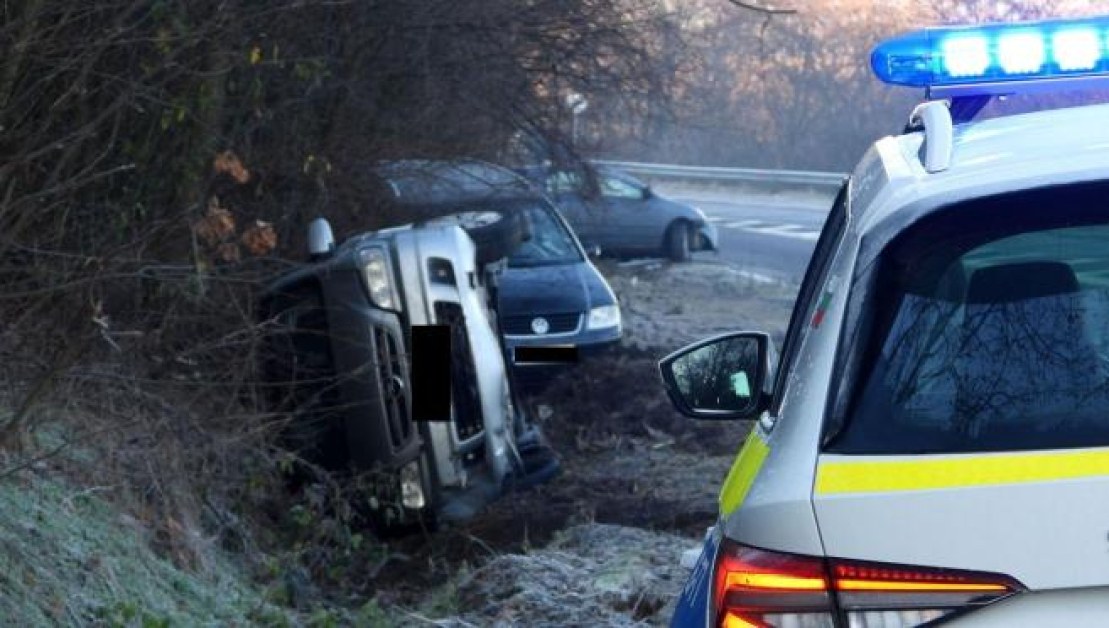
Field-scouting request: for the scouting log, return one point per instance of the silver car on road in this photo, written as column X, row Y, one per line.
column 621, row 215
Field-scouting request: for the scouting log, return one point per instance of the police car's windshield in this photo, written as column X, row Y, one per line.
column 550, row 242
column 991, row 333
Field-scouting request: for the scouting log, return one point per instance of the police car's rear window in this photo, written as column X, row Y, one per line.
column 989, row 331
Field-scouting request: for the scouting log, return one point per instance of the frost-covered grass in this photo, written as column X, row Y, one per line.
column 67, row 557
column 591, row 574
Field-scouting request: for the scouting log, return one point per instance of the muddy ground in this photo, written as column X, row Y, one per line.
column 600, row 544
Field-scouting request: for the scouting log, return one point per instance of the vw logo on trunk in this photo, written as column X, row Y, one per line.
column 540, row 326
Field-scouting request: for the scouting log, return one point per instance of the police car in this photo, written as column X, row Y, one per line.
column 932, row 442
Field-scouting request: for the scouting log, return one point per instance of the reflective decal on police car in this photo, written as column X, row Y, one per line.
column 920, row 473
column 743, row 472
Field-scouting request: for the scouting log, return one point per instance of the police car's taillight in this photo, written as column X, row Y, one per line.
column 755, row 587
column 869, row 592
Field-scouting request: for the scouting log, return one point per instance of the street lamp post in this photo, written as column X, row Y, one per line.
column 577, row 105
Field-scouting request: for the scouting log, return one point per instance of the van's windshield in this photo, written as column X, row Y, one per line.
column 990, row 332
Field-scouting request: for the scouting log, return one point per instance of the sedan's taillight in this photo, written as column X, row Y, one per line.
column 755, row 587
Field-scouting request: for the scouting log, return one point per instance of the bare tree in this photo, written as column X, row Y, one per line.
column 160, row 160
column 794, row 90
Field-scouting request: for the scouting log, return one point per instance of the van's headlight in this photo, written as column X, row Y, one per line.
column 375, row 272
column 411, row 490
column 604, row 316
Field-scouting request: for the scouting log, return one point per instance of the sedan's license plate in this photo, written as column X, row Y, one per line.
column 559, row 354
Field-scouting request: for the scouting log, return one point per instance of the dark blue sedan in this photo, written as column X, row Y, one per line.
column 554, row 304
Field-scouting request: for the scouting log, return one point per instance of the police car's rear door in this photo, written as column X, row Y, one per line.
column 971, row 432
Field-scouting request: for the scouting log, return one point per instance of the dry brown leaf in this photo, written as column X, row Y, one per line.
column 229, row 253
column 216, row 226
column 260, row 238
column 229, row 163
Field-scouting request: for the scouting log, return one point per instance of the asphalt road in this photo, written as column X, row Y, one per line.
column 771, row 238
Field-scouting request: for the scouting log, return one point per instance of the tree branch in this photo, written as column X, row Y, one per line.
column 754, row 7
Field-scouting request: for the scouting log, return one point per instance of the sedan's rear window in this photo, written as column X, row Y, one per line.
column 989, row 331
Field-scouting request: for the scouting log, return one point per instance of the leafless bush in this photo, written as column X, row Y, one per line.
column 160, row 160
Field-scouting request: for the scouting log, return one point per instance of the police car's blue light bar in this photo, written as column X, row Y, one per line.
column 997, row 57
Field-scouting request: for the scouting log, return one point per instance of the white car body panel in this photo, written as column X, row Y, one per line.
column 1052, row 536
column 415, row 247
column 991, row 157
column 1082, row 607
column 1047, row 535
column 777, row 512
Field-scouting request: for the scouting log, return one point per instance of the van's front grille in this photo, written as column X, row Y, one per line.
column 558, row 323
column 393, row 395
column 465, row 396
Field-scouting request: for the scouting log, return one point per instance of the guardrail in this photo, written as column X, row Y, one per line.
column 746, row 176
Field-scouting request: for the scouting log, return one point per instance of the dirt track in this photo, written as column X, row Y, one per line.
column 629, row 460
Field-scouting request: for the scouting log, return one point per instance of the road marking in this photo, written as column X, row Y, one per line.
column 791, row 231
column 784, row 230
column 747, row 224
column 757, row 277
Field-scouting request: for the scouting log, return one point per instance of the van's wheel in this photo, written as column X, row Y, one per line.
column 496, row 234
column 677, row 242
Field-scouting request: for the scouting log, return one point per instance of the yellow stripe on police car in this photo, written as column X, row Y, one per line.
column 742, row 474
column 872, row 474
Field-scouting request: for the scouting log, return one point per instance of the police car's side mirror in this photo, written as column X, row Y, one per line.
column 720, row 378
